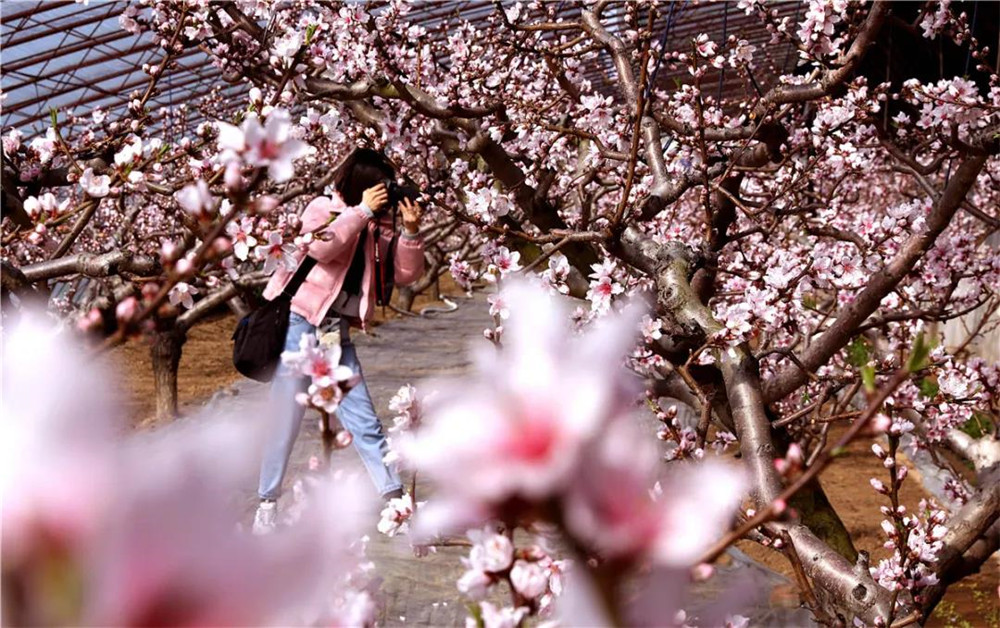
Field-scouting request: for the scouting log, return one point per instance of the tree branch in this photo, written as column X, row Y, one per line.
column 881, row 284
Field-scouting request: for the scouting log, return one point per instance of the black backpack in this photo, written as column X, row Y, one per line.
column 259, row 338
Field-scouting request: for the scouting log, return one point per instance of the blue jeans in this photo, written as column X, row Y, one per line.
column 356, row 414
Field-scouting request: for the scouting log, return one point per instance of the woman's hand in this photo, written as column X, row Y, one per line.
column 375, row 197
column 411, row 215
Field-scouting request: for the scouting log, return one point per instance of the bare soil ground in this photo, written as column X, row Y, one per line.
column 206, row 368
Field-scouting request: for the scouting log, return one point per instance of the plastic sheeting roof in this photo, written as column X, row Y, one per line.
column 70, row 56
column 64, row 55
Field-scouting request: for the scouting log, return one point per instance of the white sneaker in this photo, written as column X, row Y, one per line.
column 265, row 520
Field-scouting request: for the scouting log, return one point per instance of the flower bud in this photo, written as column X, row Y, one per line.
column 149, row 291
column 127, row 309
column 233, row 177
column 265, row 204
column 168, row 251
column 91, row 321
column 702, row 572
column 342, row 439
column 879, row 424
column 184, row 267
column 221, row 246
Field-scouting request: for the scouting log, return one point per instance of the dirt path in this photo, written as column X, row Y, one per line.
column 422, row 592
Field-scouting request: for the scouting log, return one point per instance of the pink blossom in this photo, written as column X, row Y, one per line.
column 500, row 261
column 270, row 145
column 139, row 530
column 529, row 437
column 462, row 272
column 12, row 141
column 497, row 306
column 475, row 584
column 491, row 552
column 396, row 515
column 183, row 294
column 318, row 360
column 45, row 146
column 243, row 241
column 44, row 203
column 127, row 308
column 557, row 273
column 196, row 199
column 650, row 328
column 97, row 186
column 407, row 407
column 705, row 46
column 503, row 617
column 276, row 252
column 529, row 579
column 130, row 152
column 743, row 53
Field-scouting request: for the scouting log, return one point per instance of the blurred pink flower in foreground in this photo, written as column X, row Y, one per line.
column 270, row 144
column 544, row 429
column 102, row 529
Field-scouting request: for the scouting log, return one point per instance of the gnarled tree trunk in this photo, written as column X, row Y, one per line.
column 165, row 353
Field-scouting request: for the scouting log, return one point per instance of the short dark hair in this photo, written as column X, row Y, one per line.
column 363, row 168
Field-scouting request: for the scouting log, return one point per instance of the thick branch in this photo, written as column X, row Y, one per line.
column 629, row 88
column 93, row 265
column 830, row 80
column 843, row 589
column 969, row 524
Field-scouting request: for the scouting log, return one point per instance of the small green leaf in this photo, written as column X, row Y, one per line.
column 837, row 452
column 54, row 115
column 310, row 31
column 978, row 425
column 928, row 388
column 918, row 354
column 476, row 611
column 858, row 354
column 868, row 377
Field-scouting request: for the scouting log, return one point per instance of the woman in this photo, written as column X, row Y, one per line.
column 338, row 291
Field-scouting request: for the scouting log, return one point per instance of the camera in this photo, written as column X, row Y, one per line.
column 398, row 192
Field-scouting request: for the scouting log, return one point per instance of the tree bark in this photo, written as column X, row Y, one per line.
column 165, row 353
column 406, row 297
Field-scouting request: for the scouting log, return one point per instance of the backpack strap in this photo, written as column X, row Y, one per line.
column 300, row 276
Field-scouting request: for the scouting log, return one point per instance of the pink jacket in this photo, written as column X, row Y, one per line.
column 333, row 250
